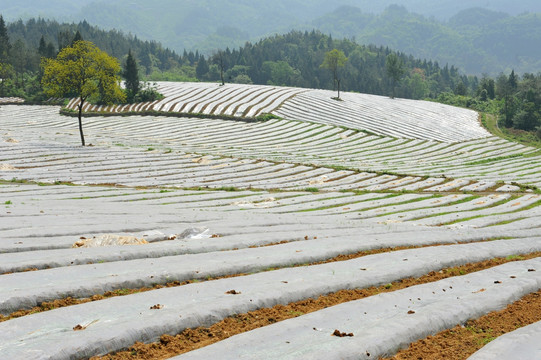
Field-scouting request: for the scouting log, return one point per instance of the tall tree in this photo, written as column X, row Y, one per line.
column 219, row 59
column 42, row 48
column 19, row 58
column 6, row 73
column 395, row 70
column 202, row 68
column 505, row 91
column 4, row 41
column 82, row 69
column 77, row 37
column 64, row 39
column 131, row 76
column 334, row 60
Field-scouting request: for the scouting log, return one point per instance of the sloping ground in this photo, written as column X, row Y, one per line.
column 481, row 163
column 400, row 118
column 160, row 176
column 40, row 224
column 410, row 119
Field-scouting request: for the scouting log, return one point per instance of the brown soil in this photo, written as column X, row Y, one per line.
column 191, row 339
column 461, row 342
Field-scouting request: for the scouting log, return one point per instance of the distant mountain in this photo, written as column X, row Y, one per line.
column 476, row 40
column 495, row 36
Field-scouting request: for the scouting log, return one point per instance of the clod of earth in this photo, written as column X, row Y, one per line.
column 341, row 334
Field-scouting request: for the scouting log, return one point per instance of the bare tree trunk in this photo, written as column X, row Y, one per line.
column 338, row 81
column 222, row 75
column 81, row 122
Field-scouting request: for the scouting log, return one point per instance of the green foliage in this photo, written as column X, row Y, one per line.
column 395, row 69
column 152, row 56
column 131, row 77
column 280, row 73
column 295, row 58
column 5, row 46
column 267, row 116
column 333, row 61
column 6, row 74
column 148, row 92
column 475, row 40
column 84, row 71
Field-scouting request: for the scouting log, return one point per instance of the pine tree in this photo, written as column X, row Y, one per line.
column 77, row 37
column 131, row 75
column 202, row 68
column 395, row 70
column 42, row 48
column 4, row 42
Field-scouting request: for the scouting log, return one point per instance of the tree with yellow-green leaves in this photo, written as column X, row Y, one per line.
column 84, row 71
column 334, row 60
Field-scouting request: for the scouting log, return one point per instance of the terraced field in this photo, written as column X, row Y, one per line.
column 240, row 220
column 377, row 114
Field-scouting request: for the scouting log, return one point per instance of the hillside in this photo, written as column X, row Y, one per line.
column 476, row 40
column 275, row 231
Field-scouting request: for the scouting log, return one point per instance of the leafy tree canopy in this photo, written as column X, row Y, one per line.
column 82, row 70
column 334, row 60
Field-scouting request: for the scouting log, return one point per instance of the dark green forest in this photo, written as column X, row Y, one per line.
column 292, row 59
column 26, row 37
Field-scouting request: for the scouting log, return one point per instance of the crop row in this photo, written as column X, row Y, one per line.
column 205, row 98
column 196, row 194
column 483, row 161
column 251, row 232
column 167, row 168
column 380, row 115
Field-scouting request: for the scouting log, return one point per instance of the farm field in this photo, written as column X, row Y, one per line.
column 233, row 217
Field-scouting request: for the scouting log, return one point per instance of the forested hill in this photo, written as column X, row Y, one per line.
column 294, row 59
column 475, row 40
column 25, row 38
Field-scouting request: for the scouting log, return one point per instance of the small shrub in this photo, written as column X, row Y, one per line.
column 149, row 92
column 267, row 116
column 312, row 189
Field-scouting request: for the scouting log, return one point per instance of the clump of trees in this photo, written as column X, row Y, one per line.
column 515, row 100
